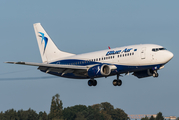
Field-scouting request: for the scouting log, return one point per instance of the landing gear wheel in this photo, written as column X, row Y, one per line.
column 115, row 83
column 119, row 82
column 92, row 82
column 155, row 74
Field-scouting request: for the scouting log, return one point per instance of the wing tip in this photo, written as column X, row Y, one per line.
column 10, row 62
column 15, row 62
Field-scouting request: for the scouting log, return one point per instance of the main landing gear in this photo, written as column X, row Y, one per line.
column 92, row 82
column 117, row 82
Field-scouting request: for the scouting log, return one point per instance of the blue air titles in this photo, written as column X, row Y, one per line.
column 119, row 51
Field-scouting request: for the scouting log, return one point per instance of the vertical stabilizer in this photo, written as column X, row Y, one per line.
column 48, row 50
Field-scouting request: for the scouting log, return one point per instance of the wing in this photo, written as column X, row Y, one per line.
column 77, row 70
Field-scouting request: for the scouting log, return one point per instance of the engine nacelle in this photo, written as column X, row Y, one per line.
column 99, row 71
column 144, row 73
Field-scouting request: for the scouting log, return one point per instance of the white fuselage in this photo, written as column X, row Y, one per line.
column 125, row 59
column 142, row 56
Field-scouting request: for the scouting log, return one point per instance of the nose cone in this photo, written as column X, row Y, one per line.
column 169, row 55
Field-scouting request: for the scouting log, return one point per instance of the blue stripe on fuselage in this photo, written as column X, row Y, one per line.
column 120, row 68
column 75, row 62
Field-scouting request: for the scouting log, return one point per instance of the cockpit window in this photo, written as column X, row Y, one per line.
column 157, row 49
column 162, row 49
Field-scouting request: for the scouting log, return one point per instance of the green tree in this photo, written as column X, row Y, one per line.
column 56, row 108
column 119, row 114
column 1, row 115
column 159, row 116
column 70, row 113
column 32, row 115
column 42, row 116
column 80, row 116
column 105, row 106
column 109, row 113
column 10, row 115
column 27, row 115
column 146, row 118
column 152, row 118
column 93, row 114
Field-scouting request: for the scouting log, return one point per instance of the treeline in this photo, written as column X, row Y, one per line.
column 103, row 111
column 158, row 117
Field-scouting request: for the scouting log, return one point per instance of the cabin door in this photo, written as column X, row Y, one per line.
column 143, row 52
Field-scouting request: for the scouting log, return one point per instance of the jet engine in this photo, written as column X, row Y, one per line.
column 99, row 71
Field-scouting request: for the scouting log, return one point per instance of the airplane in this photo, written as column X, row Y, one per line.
column 142, row 60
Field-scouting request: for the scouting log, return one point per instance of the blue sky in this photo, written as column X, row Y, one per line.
column 86, row 26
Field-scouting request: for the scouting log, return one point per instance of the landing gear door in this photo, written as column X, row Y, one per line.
column 143, row 51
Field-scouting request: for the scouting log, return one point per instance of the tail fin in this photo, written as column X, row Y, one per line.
column 48, row 50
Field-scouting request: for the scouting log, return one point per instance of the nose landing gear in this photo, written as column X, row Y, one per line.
column 155, row 74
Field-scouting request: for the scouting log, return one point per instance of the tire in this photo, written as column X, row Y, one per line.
column 90, row 82
column 119, row 82
column 94, row 82
column 115, row 82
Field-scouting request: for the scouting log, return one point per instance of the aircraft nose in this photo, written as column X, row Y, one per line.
column 169, row 55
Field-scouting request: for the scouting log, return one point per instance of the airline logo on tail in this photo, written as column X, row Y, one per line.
column 45, row 39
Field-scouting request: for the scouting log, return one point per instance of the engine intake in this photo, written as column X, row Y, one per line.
column 105, row 70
